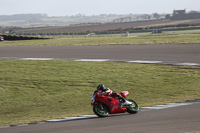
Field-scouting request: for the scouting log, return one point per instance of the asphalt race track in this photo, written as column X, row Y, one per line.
column 180, row 119
column 169, row 53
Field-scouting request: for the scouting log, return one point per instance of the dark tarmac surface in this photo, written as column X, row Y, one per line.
column 182, row 119
column 189, row 53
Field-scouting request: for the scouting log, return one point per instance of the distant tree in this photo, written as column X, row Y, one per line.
column 156, row 15
column 146, row 16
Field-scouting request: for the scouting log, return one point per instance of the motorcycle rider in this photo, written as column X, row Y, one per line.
column 107, row 91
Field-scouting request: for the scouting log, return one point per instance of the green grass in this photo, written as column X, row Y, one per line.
column 33, row 91
column 133, row 39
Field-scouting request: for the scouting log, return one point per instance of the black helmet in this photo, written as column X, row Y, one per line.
column 101, row 87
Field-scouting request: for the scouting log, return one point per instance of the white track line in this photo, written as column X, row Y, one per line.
column 108, row 60
column 170, row 105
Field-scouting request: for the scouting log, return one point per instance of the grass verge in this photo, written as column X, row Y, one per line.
column 133, row 39
column 32, row 91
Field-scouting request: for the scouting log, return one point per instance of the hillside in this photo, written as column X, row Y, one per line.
column 43, row 20
column 107, row 27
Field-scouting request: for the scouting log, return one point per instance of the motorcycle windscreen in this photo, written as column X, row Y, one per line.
column 124, row 93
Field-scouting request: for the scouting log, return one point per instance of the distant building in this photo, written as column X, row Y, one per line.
column 179, row 12
column 182, row 15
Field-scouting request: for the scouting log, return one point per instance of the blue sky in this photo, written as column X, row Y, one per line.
column 95, row 7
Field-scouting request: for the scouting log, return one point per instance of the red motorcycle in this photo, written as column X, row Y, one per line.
column 103, row 105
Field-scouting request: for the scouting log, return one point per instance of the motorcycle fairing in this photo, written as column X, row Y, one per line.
column 111, row 103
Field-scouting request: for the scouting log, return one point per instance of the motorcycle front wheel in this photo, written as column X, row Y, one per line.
column 132, row 109
column 100, row 111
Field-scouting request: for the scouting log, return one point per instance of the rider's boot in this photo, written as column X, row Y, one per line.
column 126, row 103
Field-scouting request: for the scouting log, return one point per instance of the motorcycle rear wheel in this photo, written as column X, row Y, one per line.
column 100, row 111
column 132, row 109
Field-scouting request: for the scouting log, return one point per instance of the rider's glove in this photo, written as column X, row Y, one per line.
column 114, row 92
